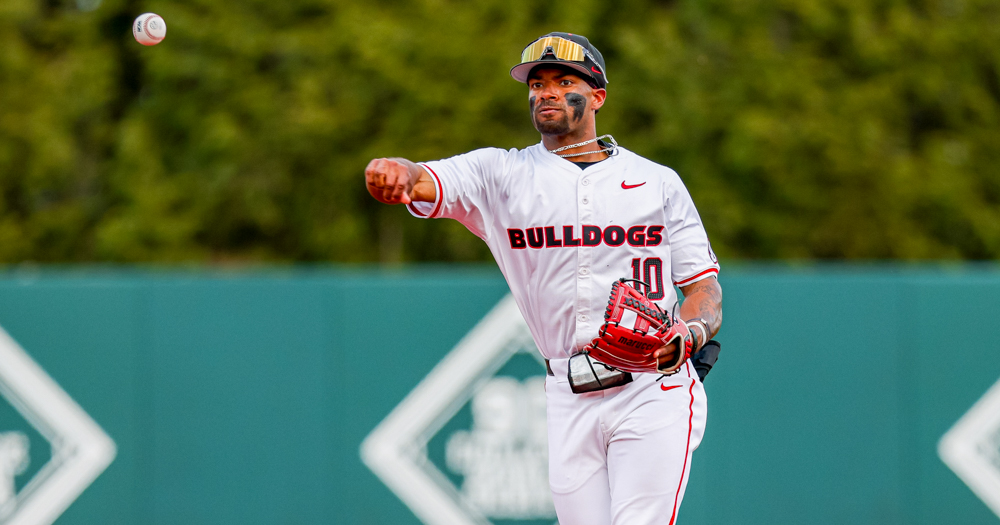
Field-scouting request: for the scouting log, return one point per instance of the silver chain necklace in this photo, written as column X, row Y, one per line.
column 610, row 150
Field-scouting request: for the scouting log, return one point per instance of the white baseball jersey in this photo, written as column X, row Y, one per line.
column 562, row 235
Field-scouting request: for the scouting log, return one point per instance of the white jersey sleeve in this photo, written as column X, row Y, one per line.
column 464, row 185
column 691, row 255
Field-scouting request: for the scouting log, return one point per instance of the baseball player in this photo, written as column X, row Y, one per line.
column 565, row 219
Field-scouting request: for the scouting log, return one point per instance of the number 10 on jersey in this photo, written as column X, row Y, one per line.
column 649, row 271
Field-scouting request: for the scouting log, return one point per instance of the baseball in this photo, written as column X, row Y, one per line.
column 149, row 29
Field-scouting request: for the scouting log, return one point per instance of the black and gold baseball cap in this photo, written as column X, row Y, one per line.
column 566, row 49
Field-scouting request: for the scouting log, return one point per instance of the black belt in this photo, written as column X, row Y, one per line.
column 548, row 368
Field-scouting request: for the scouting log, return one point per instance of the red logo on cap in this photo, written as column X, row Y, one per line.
column 594, row 69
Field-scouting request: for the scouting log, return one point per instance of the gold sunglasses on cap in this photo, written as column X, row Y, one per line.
column 562, row 49
column 558, row 49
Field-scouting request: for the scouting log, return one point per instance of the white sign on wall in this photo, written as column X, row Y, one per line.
column 80, row 448
column 971, row 448
column 502, row 458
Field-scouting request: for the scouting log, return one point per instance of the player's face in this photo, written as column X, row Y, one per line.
column 561, row 103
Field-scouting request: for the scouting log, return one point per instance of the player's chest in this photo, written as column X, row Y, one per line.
column 602, row 198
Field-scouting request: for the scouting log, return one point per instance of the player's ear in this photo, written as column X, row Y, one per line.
column 598, row 96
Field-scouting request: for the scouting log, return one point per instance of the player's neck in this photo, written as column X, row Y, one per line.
column 552, row 142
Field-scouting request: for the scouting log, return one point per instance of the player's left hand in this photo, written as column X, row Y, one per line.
column 665, row 355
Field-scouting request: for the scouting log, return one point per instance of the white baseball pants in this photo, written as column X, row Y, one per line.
column 621, row 456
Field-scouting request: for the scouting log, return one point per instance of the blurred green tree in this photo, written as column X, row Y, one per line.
column 804, row 129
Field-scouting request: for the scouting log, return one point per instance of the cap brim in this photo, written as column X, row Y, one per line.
column 520, row 72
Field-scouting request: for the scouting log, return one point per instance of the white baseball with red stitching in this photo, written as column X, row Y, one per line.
column 149, row 29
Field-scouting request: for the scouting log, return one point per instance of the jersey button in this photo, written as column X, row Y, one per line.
column 583, row 318
column 586, row 182
column 586, row 200
column 584, row 271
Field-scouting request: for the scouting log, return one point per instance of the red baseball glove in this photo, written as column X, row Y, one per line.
column 636, row 331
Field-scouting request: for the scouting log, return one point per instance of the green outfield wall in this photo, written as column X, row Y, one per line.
column 244, row 397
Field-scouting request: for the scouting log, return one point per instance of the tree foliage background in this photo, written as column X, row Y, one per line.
column 805, row 129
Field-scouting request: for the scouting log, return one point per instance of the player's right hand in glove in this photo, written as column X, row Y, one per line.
column 637, row 336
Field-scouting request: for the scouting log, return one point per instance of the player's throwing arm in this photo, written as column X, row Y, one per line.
column 398, row 181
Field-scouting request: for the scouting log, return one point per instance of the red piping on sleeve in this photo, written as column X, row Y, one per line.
column 697, row 276
column 437, row 201
column 415, row 211
column 440, row 195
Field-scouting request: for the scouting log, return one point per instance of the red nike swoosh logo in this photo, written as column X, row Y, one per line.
column 665, row 387
column 594, row 69
column 630, row 186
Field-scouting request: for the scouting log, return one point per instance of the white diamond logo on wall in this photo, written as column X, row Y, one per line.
column 503, row 457
column 80, row 449
column 971, row 448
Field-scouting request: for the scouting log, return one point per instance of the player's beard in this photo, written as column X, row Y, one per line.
column 557, row 127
